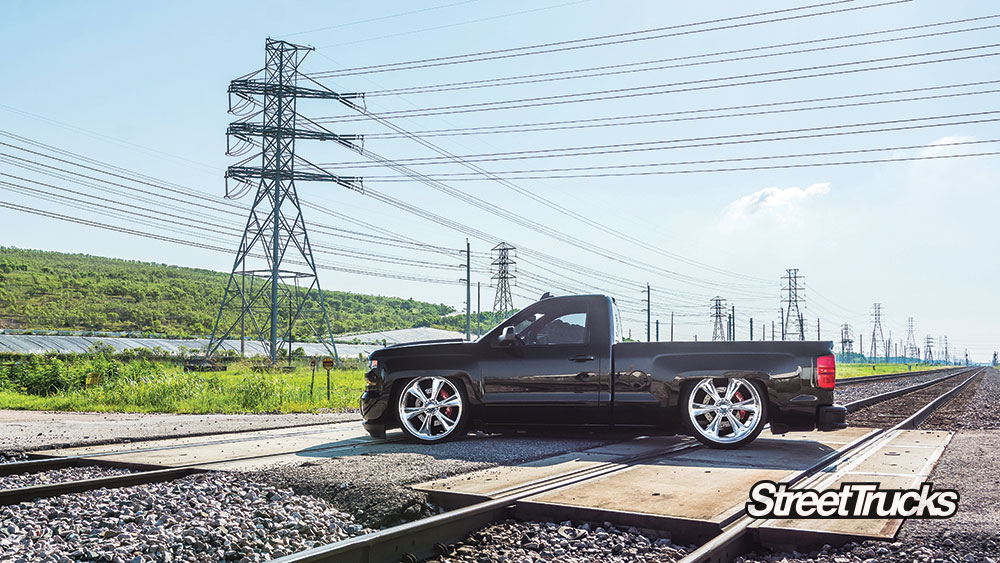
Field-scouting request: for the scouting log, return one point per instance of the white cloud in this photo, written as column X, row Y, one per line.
column 782, row 204
column 946, row 145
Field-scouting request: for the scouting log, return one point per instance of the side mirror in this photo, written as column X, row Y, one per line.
column 507, row 337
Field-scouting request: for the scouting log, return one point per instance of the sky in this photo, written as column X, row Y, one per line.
column 772, row 182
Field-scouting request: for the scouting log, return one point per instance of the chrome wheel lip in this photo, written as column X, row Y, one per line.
column 722, row 407
column 422, row 413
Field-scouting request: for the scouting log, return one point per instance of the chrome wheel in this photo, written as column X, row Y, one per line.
column 430, row 408
column 725, row 411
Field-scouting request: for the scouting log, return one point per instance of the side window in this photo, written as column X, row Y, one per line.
column 562, row 327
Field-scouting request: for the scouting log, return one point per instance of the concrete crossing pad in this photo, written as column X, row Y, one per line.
column 695, row 494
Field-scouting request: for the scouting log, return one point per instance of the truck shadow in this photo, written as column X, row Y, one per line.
column 770, row 453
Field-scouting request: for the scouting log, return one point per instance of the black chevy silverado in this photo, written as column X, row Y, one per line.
column 561, row 362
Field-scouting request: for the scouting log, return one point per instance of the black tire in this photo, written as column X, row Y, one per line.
column 440, row 417
column 735, row 427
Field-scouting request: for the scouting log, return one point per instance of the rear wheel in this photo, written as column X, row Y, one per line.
column 724, row 413
column 432, row 409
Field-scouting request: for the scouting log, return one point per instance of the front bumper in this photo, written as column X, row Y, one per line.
column 833, row 417
column 374, row 409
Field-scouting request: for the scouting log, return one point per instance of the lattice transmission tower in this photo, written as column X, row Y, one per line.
column 846, row 341
column 794, row 323
column 947, row 354
column 721, row 318
column 910, row 350
column 504, row 269
column 878, row 339
column 929, row 349
column 273, row 293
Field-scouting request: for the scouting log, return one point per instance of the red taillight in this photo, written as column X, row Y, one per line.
column 826, row 371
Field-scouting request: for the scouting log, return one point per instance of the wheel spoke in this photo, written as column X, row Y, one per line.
column 445, row 422
column 453, row 401
column 698, row 409
column 736, row 425
column 411, row 412
column 418, row 393
column 708, row 387
column 731, row 388
column 425, row 427
column 748, row 405
column 713, row 427
column 436, row 384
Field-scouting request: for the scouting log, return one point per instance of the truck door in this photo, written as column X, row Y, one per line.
column 558, row 371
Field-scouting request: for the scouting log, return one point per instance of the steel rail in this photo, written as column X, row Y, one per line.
column 428, row 537
column 163, row 437
column 849, row 381
column 148, row 474
column 730, row 543
column 854, row 406
column 42, row 462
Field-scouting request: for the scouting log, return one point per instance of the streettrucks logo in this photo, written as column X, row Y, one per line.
column 853, row 500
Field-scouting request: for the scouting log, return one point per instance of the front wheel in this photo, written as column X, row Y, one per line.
column 432, row 409
column 724, row 413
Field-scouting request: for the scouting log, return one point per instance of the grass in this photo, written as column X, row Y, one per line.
column 858, row 370
column 166, row 388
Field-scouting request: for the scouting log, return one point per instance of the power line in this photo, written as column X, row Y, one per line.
column 684, row 86
column 685, row 143
column 611, row 70
column 597, row 41
column 774, row 167
column 644, row 119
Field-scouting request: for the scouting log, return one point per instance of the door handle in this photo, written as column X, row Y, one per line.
column 582, row 359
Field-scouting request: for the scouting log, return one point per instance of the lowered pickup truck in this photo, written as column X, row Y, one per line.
column 561, row 362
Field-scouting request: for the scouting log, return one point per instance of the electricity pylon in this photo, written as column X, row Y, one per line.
column 929, row 350
column 794, row 323
column 273, row 280
column 911, row 350
column 846, row 341
column 719, row 313
column 878, row 339
column 504, row 268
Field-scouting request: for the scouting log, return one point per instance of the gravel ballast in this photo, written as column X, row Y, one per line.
column 545, row 541
column 211, row 517
column 851, row 393
column 59, row 476
column 968, row 465
column 33, row 430
column 374, row 486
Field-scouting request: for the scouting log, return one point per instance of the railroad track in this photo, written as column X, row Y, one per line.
column 146, row 473
column 431, row 537
column 734, row 540
column 850, row 381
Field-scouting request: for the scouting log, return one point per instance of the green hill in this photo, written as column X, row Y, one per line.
column 52, row 290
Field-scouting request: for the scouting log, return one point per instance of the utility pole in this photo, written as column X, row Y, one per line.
column 503, row 268
column 479, row 309
column 671, row 326
column 274, row 251
column 817, row 329
column 468, row 290
column 793, row 297
column 782, row 324
column 751, row 329
column 649, row 314
column 732, row 325
column 718, row 314
column 657, row 330
column 772, row 331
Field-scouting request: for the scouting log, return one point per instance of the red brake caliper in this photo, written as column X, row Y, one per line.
column 444, row 397
column 742, row 415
